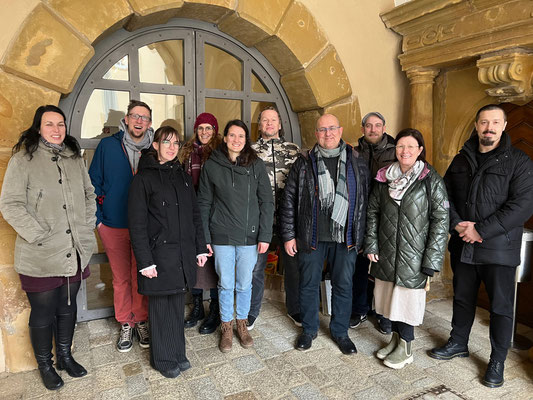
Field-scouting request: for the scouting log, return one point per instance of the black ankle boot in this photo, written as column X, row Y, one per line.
column 65, row 332
column 41, row 341
column 212, row 321
column 197, row 313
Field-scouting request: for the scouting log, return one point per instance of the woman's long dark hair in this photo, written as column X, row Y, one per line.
column 417, row 136
column 29, row 139
column 247, row 155
column 162, row 133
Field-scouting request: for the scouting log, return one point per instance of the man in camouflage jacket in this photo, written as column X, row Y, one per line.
column 278, row 156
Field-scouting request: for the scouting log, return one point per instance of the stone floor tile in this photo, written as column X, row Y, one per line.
column 102, row 339
column 80, row 388
column 229, row 379
column 171, row 389
column 133, row 368
column 333, row 392
column 248, row 364
column 264, row 349
column 308, row 392
column 108, row 376
column 372, row 393
column 136, row 385
column 204, row 341
column 32, row 386
column 389, row 381
column 325, row 358
column 349, row 379
column 282, row 344
column 247, row 395
column 316, row 376
column 204, row 388
column 118, row 393
column 288, row 374
column 101, row 326
column 300, row 358
column 212, row 355
column 266, row 384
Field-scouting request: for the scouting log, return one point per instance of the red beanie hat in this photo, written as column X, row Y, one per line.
column 206, row 118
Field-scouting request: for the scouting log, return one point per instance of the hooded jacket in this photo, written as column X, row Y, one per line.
column 49, row 201
column 299, row 207
column 497, row 196
column 407, row 237
column 165, row 226
column 235, row 202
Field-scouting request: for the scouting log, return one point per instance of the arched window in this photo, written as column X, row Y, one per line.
column 180, row 69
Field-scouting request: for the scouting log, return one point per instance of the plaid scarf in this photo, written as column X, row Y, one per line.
column 195, row 163
column 333, row 200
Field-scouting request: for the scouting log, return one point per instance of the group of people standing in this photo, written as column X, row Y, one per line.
column 204, row 215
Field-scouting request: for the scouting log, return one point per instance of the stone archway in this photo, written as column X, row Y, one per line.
column 55, row 43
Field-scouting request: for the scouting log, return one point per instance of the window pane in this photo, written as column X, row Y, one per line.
column 257, row 107
column 167, row 110
column 162, row 62
column 119, row 71
column 222, row 70
column 103, row 113
column 257, row 86
column 223, row 110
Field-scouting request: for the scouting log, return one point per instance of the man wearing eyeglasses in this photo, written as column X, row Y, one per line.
column 377, row 148
column 323, row 214
column 114, row 164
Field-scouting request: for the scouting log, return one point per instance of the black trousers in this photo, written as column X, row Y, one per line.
column 46, row 305
column 406, row 331
column 167, row 337
column 499, row 282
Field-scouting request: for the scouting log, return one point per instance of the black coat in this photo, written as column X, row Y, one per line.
column 299, row 206
column 497, row 196
column 165, row 227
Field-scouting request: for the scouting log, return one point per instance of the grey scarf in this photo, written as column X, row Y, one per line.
column 334, row 200
column 133, row 149
column 53, row 146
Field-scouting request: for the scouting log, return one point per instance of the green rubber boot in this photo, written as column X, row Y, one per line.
column 401, row 356
column 385, row 351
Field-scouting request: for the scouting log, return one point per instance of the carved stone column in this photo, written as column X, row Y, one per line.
column 510, row 72
column 421, row 112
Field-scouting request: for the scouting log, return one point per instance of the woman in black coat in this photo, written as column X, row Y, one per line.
column 168, row 242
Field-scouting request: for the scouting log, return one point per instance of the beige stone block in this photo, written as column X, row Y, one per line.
column 255, row 20
column 46, row 51
column 156, row 18
column 207, row 10
column 299, row 91
column 19, row 99
column 279, row 55
column 302, row 34
column 327, row 78
column 92, row 18
column 307, row 120
column 349, row 114
column 146, row 7
column 14, row 309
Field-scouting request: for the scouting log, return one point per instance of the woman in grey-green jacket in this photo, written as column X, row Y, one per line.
column 406, row 234
column 235, row 200
column 47, row 197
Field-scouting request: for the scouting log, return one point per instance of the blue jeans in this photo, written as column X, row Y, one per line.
column 234, row 266
column 342, row 265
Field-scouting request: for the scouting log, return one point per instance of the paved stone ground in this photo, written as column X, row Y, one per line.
column 272, row 369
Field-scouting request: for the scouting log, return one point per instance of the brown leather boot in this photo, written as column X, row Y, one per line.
column 244, row 335
column 226, row 338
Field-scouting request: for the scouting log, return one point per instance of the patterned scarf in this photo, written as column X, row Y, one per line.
column 333, row 200
column 399, row 182
column 53, row 146
column 195, row 163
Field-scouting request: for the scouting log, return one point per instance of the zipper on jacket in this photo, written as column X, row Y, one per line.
column 247, row 210
column 274, row 168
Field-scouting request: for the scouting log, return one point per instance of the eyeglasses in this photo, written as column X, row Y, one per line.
column 410, row 148
column 168, row 143
column 207, row 129
column 328, row 129
column 137, row 116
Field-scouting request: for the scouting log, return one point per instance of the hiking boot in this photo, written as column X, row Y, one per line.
column 242, row 331
column 494, row 375
column 212, row 321
column 385, row 351
column 400, row 356
column 197, row 312
column 449, row 351
column 226, row 337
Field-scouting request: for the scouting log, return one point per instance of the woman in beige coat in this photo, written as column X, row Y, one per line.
column 47, row 197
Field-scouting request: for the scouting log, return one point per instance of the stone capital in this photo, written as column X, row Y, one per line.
column 510, row 73
column 418, row 76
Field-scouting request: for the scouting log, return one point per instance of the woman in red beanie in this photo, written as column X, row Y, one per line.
column 193, row 155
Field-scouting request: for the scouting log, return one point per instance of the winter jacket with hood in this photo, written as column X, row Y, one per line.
column 497, row 196
column 409, row 237
column 165, row 226
column 300, row 205
column 50, row 202
column 111, row 175
column 235, row 202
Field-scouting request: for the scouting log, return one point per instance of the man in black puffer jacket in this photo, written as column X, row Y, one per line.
column 490, row 188
column 322, row 216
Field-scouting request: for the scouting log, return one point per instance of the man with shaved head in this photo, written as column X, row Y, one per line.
column 322, row 217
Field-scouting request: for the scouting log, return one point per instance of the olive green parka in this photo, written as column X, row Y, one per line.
column 411, row 236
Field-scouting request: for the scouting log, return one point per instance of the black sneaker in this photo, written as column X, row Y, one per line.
column 384, row 325
column 251, row 322
column 125, row 339
column 143, row 334
column 357, row 320
column 296, row 319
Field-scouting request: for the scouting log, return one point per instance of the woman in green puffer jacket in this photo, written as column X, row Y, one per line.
column 406, row 234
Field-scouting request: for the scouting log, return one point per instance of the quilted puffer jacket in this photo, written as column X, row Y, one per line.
column 407, row 237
